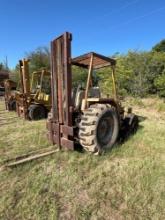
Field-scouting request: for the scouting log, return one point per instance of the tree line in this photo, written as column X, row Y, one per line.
column 138, row 73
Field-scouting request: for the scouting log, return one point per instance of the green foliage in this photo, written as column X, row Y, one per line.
column 159, row 47
column 105, row 81
column 137, row 73
column 160, row 84
column 3, row 66
column 15, row 74
column 133, row 73
column 79, row 76
column 40, row 58
column 123, row 74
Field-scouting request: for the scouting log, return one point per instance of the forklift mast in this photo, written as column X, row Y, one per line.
column 61, row 84
column 21, row 96
column 24, row 76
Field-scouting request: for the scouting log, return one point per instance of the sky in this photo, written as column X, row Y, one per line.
column 103, row 26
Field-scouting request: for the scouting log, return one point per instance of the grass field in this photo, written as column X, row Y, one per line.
column 126, row 183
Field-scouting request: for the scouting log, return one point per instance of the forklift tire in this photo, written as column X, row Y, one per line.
column 99, row 128
column 12, row 105
column 37, row 112
column 131, row 123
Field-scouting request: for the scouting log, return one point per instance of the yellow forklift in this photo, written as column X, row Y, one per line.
column 33, row 101
column 87, row 119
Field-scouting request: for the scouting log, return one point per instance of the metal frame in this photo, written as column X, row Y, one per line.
column 60, row 125
column 40, row 75
column 25, row 98
column 93, row 61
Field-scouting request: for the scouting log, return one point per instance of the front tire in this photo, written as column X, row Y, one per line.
column 12, row 105
column 99, row 128
column 37, row 112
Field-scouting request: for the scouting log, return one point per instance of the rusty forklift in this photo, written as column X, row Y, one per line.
column 83, row 117
column 33, row 102
column 10, row 90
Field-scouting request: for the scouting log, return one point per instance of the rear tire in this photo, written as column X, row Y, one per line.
column 131, row 123
column 37, row 112
column 12, row 105
column 99, row 128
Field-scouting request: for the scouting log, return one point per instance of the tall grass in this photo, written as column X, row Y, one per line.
column 125, row 183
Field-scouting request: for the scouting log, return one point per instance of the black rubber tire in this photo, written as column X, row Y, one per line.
column 37, row 112
column 133, row 123
column 97, row 118
column 12, row 105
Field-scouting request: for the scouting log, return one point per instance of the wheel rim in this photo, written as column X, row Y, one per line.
column 105, row 129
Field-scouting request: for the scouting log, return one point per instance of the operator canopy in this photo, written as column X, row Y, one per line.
column 99, row 61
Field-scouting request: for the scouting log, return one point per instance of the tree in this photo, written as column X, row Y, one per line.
column 159, row 47
column 155, row 68
column 79, row 76
column 137, row 73
column 39, row 58
column 160, row 84
column 3, row 66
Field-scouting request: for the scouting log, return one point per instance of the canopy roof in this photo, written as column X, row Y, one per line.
column 99, row 61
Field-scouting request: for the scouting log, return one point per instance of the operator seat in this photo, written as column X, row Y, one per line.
column 94, row 92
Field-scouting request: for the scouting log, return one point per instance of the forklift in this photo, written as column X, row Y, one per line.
column 81, row 116
column 10, row 90
column 33, row 102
